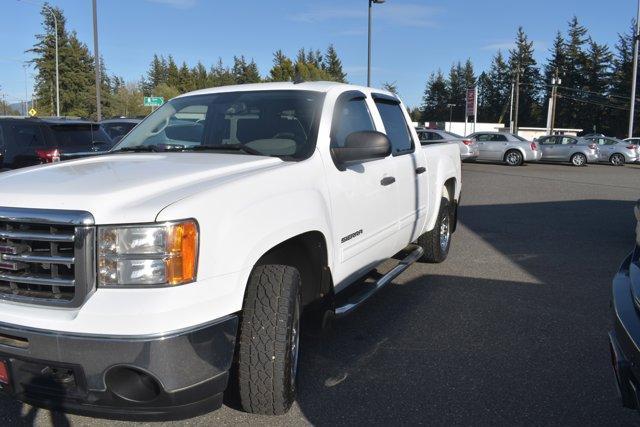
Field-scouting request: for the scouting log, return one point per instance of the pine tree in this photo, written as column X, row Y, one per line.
column 521, row 57
column 333, row 66
column 570, row 111
column 621, row 77
column 494, row 90
column 185, row 81
column 391, row 87
column 597, row 75
column 243, row 71
column 157, row 72
column 200, row 77
column 220, row 75
column 173, row 73
column 436, row 96
column 457, row 91
column 282, row 70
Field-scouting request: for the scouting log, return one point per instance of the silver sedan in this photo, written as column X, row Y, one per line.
column 468, row 147
column 615, row 151
column 563, row 148
column 506, row 147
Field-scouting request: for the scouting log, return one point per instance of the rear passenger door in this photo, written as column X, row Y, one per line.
column 547, row 147
column 497, row 146
column 565, row 148
column 484, row 140
column 409, row 169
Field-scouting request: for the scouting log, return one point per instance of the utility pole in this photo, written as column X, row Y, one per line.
column 517, row 100
column 635, row 72
column 26, row 92
column 55, row 23
column 97, row 61
column 511, row 108
column 554, row 95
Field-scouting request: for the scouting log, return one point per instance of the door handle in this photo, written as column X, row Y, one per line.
column 387, row 180
column 420, row 170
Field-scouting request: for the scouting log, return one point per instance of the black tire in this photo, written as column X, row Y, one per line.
column 617, row 159
column 269, row 340
column 579, row 159
column 434, row 251
column 513, row 158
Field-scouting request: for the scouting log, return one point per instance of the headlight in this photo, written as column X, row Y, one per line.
column 148, row 255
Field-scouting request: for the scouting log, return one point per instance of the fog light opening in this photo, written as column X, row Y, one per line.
column 132, row 384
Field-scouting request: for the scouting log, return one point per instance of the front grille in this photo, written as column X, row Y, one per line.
column 46, row 256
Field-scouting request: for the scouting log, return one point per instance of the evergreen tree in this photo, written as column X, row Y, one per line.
column 391, row 87
column 157, row 72
column 185, row 80
column 436, row 97
column 597, row 76
column 244, row 72
column 457, row 92
column 200, row 77
column 173, row 73
column 521, row 57
column 333, row 66
column 571, row 112
column 494, row 90
column 220, row 75
column 282, row 70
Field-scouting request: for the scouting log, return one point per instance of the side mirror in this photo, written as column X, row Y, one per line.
column 362, row 146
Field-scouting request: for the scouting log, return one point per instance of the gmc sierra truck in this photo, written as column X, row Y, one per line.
column 147, row 281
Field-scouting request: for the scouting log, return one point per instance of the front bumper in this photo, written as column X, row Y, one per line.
column 625, row 337
column 165, row 376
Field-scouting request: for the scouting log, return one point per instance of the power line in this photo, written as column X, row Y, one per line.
column 601, row 104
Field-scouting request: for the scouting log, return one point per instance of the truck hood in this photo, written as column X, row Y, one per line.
column 124, row 188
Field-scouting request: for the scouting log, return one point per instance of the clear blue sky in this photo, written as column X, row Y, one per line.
column 412, row 38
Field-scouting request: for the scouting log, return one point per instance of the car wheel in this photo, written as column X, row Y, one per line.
column 436, row 242
column 578, row 159
column 513, row 158
column 269, row 340
column 617, row 159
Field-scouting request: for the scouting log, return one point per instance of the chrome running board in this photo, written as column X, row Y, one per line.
column 356, row 300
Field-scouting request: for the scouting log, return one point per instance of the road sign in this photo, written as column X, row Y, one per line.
column 153, row 101
column 32, row 112
column 472, row 106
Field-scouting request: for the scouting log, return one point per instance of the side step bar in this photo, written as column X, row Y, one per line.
column 356, row 300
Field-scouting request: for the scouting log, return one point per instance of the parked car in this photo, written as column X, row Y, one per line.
column 117, row 128
column 562, row 148
column 505, row 147
column 615, row 151
column 34, row 141
column 468, row 147
column 633, row 141
column 143, row 281
column 624, row 339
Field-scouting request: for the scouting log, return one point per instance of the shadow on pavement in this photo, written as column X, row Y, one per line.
column 443, row 349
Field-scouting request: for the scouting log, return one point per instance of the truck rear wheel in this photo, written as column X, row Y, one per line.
column 436, row 242
column 269, row 340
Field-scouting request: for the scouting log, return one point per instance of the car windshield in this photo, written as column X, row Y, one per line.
column 519, row 138
column 118, row 129
column 80, row 137
column 455, row 135
column 269, row 123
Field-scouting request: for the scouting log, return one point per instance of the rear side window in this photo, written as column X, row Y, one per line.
column 352, row 116
column 429, row 137
column 483, row 137
column 566, row 140
column 27, row 136
column 499, row 138
column 550, row 140
column 80, row 137
column 396, row 126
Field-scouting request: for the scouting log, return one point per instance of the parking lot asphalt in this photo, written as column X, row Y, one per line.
column 511, row 329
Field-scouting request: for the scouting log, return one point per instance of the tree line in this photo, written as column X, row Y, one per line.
column 164, row 77
column 593, row 94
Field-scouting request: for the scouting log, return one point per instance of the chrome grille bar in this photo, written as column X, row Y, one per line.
column 40, row 237
column 37, row 280
column 34, row 257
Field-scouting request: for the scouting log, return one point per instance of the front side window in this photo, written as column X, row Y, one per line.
column 351, row 116
column 565, row 140
column 265, row 123
column 396, row 126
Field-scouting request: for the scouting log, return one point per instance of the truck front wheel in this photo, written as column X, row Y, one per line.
column 436, row 242
column 269, row 340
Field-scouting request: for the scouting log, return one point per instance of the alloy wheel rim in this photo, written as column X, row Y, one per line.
column 578, row 160
column 444, row 232
column 616, row 160
column 513, row 158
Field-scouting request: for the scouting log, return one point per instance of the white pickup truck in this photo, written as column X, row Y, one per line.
column 143, row 282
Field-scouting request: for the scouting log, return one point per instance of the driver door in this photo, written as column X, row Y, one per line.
column 363, row 196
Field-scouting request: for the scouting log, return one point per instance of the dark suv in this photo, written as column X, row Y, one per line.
column 34, row 141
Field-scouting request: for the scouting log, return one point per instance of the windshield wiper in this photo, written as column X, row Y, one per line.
column 140, row 149
column 157, row 148
column 225, row 147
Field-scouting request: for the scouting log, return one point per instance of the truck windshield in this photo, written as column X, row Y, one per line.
column 269, row 123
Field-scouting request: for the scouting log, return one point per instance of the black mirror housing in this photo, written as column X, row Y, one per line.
column 362, row 146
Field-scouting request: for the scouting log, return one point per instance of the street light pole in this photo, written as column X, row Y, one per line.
column 369, row 41
column 450, row 114
column 635, row 72
column 55, row 23
column 97, row 61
